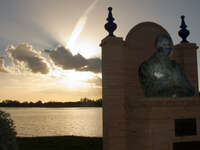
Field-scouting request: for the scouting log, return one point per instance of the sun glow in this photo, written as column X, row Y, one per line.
column 87, row 48
column 77, row 79
column 71, row 79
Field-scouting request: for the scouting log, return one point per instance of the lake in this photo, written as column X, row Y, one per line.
column 79, row 121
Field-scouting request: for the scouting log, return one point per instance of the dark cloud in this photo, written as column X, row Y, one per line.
column 93, row 65
column 2, row 67
column 31, row 58
column 63, row 57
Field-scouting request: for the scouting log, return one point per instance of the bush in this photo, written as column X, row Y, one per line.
column 7, row 132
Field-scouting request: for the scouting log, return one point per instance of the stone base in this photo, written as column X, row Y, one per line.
column 151, row 122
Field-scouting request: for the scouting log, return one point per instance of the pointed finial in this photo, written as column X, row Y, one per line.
column 110, row 26
column 183, row 33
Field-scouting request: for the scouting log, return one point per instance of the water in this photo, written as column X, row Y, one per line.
column 31, row 122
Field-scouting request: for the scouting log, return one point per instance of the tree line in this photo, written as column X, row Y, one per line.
column 84, row 102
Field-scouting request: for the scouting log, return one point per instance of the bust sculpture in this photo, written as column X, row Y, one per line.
column 162, row 77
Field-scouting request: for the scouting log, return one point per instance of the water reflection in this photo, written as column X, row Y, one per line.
column 57, row 121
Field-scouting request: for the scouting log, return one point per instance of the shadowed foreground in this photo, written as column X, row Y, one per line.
column 59, row 143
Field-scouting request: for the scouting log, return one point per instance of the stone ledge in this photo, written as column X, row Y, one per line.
column 174, row 102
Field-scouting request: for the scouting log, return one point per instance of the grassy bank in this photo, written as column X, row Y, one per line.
column 59, row 143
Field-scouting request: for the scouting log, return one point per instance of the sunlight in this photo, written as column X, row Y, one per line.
column 87, row 48
column 72, row 84
column 70, row 78
column 79, row 76
column 75, row 79
column 76, row 32
column 78, row 29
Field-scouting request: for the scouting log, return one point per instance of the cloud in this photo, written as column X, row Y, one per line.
column 24, row 53
column 97, row 81
column 2, row 67
column 93, row 65
column 62, row 57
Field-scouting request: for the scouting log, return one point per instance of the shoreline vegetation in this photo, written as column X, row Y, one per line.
column 84, row 102
column 60, row 143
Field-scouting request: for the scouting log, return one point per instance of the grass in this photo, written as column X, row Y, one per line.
column 59, row 143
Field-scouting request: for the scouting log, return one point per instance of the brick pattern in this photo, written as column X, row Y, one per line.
column 114, row 118
column 131, row 121
column 186, row 55
column 152, row 120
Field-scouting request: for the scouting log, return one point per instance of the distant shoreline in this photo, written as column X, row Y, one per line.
column 47, row 106
column 84, row 102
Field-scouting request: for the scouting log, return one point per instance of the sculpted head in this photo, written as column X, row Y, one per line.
column 164, row 44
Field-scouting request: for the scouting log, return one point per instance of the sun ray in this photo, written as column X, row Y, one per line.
column 79, row 28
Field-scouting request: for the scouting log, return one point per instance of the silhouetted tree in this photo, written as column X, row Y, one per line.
column 7, row 132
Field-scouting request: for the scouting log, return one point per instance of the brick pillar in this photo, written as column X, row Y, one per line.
column 114, row 119
column 186, row 55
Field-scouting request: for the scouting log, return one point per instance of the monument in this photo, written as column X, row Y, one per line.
column 162, row 77
column 132, row 117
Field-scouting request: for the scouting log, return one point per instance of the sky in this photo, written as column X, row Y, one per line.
column 49, row 50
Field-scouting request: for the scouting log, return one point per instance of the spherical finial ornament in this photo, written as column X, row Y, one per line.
column 183, row 33
column 110, row 26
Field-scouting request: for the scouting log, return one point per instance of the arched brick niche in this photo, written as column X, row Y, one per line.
column 140, row 46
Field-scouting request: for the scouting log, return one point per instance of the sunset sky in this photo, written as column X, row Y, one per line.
column 50, row 50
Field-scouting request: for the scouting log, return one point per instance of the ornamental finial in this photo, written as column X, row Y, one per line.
column 183, row 33
column 110, row 26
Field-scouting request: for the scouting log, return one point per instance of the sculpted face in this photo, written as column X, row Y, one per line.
column 164, row 44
